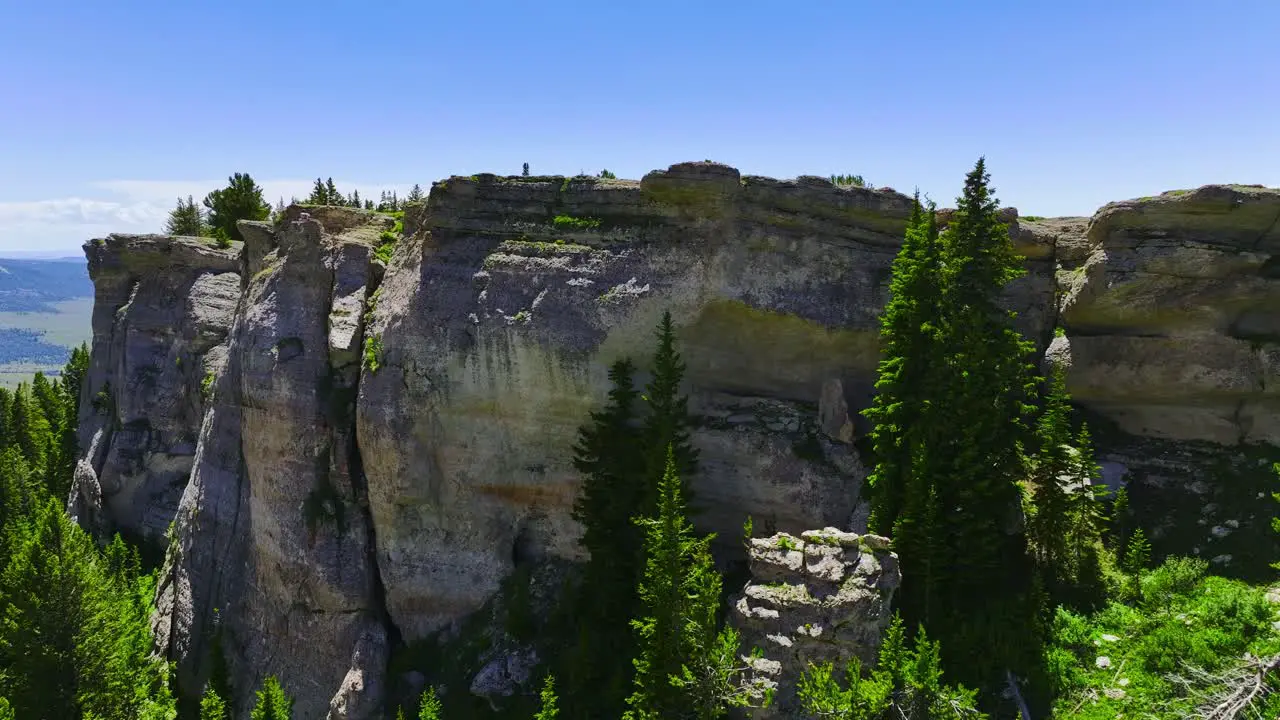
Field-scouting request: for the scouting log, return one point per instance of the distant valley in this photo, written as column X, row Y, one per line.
column 45, row 309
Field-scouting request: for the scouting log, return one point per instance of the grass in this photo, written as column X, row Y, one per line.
column 568, row 222
column 1124, row 660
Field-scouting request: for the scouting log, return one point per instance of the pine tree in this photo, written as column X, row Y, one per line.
column 319, row 194
column 240, row 200
column 525, row 170
column 355, row 199
column 908, row 355
column 272, row 702
column 672, row 634
column 608, row 456
column 186, row 219
column 548, row 709
column 331, row 194
column 415, row 193
column 212, row 706
column 430, row 708
column 1136, row 558
column 1053, row 469
column 6, row 710
column 1120, row 522
column 959, row 436
column 666, row 427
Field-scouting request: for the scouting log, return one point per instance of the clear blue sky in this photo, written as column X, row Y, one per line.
column 111, row 108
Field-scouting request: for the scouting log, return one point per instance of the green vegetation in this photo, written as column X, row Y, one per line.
column 568, row 222
column 1032, row 218
column 906, row 684
column 372, row 352
column 241, row 199
column 849, row 181
column 186, row 219
column 206, row 387
column 272, row 702
column 549, row 709
column 608, row 175
column 388, row 238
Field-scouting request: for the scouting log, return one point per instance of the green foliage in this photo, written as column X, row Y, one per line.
column 429, row 707
column 849, row 181
column 186, row 219
column 955, row 385
column 212, row 706
column 666, row 427
column 1137, row 557
column 608, row 175
column 240, row 200
column 549, row 709
column 906, row 684
column 6, row 710
column 524, row 170
column 272, row 702
column 1187, row 638
column 206, row 387
column 685, row 666
column 372, row 352
column 568, row 222
column 1032, row 218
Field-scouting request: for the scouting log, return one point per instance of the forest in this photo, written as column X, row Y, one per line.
column 1028, row 590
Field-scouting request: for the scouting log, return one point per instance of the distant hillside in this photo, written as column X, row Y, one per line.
column 45, row 309
column 34, row 285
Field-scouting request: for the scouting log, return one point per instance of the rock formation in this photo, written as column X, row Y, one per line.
column 363, row 453
column 823, row 597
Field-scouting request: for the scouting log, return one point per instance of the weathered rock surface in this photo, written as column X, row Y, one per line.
column 1173, row 320
column 162, row 307
column 359, row 467
column 273, row 528
column 823, row 597
column 496, row 323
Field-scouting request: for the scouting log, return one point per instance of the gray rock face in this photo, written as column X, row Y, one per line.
column 1174, row 319
column 272, row 527
column 162, row 307
column 823, row 597
column 498, row 319
column 330, row 424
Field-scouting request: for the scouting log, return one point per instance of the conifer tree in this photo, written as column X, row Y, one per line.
column 6, row 710
column 966, row 574
column 429, row 708
column 415, row 193
column 240, row 200
column 548, row 709
column 1136, row 558
column 1053, row 469
column 331, row 194
column 212, row 706
column 666, row 426
column 1120, row 522
column 524, row 170
column 608, row 457
column 272, row 702
column 186, row 219
column 908, row 353
column 677, row 633
column 319, row 194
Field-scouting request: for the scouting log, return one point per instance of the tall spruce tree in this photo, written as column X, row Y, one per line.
column 966, row 574
column 212, row 706
column 429, row 707
column 683, row 668
column 186, row 219
column 241, row 199
column 548, row 709
column 1052, row 472
column 666, row 424
column 908, row 349
column 415, row 193
column 608, row 455
column 272, row 702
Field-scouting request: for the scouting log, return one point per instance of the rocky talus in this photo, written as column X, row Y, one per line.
column 823, row 597
column 353, row 454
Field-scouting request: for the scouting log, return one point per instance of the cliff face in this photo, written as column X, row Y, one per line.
column 364, row 453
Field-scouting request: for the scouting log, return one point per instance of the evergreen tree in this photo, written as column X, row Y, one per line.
column 331, row 194
column 415, row 194
column 240, row 200
column 1136, row 559
column 677, row 634
column 212, row 706
column 966, row 574
column 272, row 702
column 430, row 708
column 319, row 194
column 186, row 219
column 548, row 709
column 1120, row 522
column 28, row 428
column 666, row 426
column 608, row 456
column 1086, row 523
column 1053, row 470
column 908, row 351
column 525, row 170
column 6, row 710
column 355, row 199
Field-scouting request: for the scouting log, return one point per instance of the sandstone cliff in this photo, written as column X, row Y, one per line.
column 363, row 453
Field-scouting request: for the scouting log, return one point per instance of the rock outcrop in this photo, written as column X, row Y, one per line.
column 823, row 597
column 364, row 451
